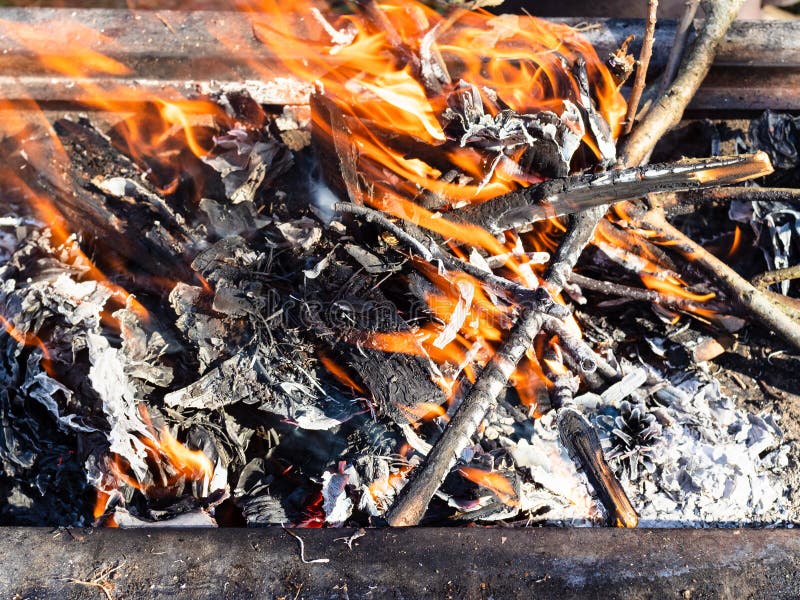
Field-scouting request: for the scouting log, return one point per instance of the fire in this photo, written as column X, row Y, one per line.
column 424, row 411
column 100, row 508
column 673, row 290
column 340, row 374
column 383, row 489
column 495, row 482
column 172, row 466
column 638, row 256
column 375, row 66
column 737, row 241
column 25, row 338
column 370, row 65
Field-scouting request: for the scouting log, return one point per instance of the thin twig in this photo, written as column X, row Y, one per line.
column 667, row 112
column 678, row 46
column 538, row 299
column 745, row 193
column 610, row 288
column 764, row 280
column 643, row 63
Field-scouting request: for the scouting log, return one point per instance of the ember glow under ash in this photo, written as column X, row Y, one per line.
column 197, row 325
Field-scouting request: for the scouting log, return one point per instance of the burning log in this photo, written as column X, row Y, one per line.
column 71, row 182
column 557, row 197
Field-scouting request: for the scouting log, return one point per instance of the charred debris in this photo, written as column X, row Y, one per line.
column 263, row 334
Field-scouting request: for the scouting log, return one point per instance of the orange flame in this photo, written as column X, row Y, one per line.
column 25, row 338
column 171, row 464
column 340, row 374
column 424, row 411
column 495, row 482
column 737, row 240
column 651, row 269
column 370, row 65
column 100, row 507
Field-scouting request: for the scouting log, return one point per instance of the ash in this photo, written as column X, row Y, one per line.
column 257, row 357
column 707, row 462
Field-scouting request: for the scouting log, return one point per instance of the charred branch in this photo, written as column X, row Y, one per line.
column 580, row 440
column 727, row 194
column 756, row 302
column 577, row 193
column 611, row 288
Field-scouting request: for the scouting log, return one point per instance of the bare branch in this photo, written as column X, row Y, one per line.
column 643, row 63
column 667, row 112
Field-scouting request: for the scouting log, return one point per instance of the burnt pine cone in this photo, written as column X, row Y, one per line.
column 631, row 438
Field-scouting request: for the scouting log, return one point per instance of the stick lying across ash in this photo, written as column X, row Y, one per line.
column 568, row 195
column 580, row 440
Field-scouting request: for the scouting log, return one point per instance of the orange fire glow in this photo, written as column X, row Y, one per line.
column 28, row 339
column 369, row 64
column 340, row 374
column 381, row 490
column 172, row 465
column 654, row 273
column 495, row 482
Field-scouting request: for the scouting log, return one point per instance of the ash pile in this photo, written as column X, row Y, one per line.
column 227, row 324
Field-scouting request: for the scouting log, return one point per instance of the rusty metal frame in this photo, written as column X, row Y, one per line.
column 171, row 53
column 458, row 563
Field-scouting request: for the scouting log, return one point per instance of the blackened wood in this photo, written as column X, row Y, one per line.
column 398, row 382
column 747, row 194
column 348, row 313
column 577, row 193
column 53, row 180
column 94, row 159
column 580, row 439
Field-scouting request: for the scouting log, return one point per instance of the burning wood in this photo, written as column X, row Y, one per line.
column 558, row 197
column 213, row 316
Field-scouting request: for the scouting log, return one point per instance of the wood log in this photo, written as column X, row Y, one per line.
column 61, row 183
column 398, row 381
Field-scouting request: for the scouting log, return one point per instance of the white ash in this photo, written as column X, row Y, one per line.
column 715, row 464
column 336, row 504
column 559, row 492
